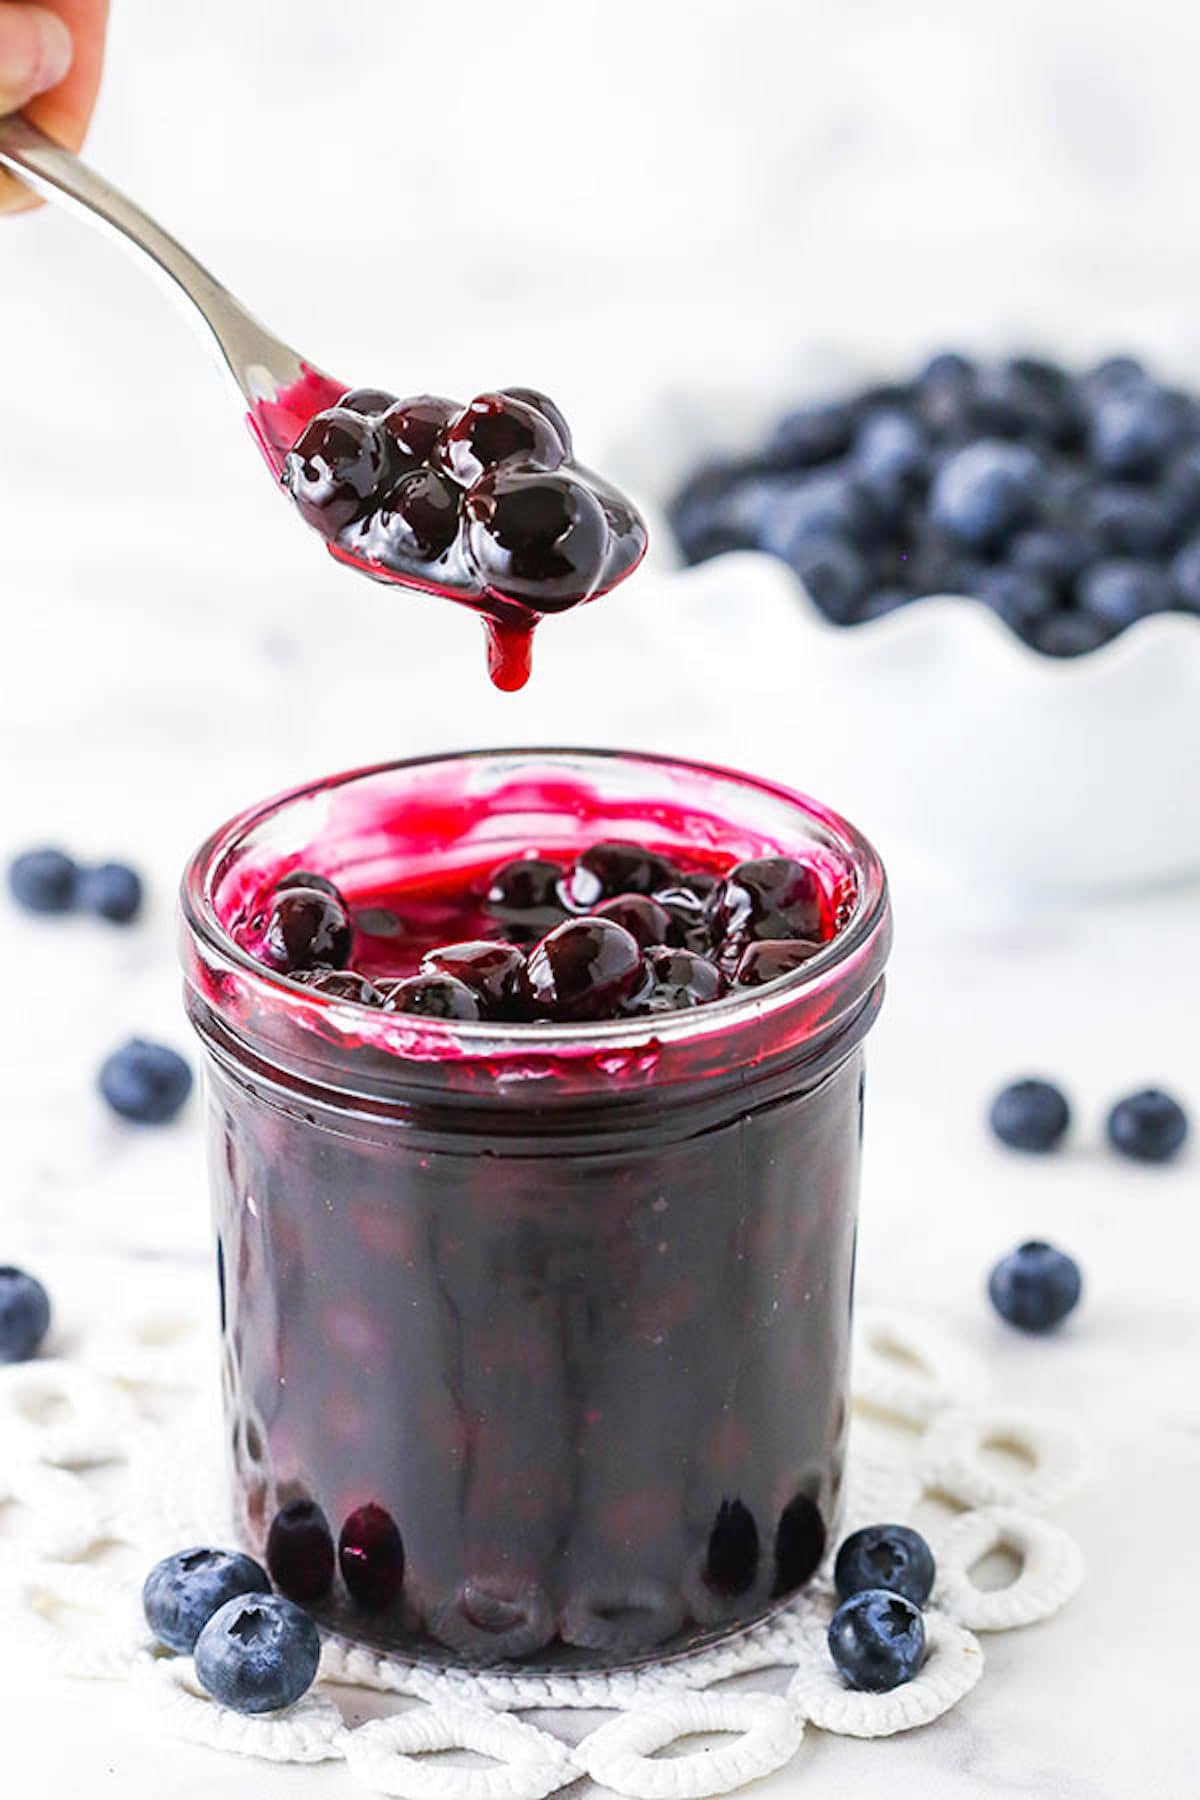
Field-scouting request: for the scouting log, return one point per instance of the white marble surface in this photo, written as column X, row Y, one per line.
column 176, row 645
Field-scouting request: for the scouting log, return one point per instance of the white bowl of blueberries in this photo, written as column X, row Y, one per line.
column 967, row 605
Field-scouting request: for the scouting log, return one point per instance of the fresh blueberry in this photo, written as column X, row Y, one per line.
column 145, row 1082
column 300, row 1551
column 945, row 390
column 831, row 503
column 1017, row 596
column 1054, row 555
column 584, row 969
column 1070, row 633
column 702, row 513
column 1180, row 488
column 984, row 492
column 883, row 601
column 1124, row 520
column 1149, row 1127
column 1035, row 1287
column 1132, row 429
column 892, row 1557
column 1030, row 1115
column 812, row 434
column 1121, row 591
column 1113, row 374
column 1185, row 576
column 182, row 1592
column 877, row 1641
column 44, row 881
column 1047, row 400
column 946, row 365
column 890, row 444
column 113, row 891
column 24, row 1315
column 834, row 575
column 258, row 1654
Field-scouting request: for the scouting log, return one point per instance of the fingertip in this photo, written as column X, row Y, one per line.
column 36, row 53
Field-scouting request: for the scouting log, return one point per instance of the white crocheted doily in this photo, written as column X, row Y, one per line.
column 112, row 1459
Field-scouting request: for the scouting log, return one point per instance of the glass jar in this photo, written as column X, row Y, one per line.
column 535, row 1337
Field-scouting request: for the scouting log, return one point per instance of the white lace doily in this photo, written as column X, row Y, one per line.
column 112, row 1459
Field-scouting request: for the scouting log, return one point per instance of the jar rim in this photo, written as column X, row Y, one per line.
column 869, row 914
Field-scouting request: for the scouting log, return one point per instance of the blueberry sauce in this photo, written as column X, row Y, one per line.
column 482, row 503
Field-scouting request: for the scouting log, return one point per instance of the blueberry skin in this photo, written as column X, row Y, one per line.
column 182, row 1592
column 892, row 1557
column 1030, row 1115
column 834, row 574
column 1056, row 556
column 890, row 445
column 1070, row 633
column 147, row 1083
column 1017, row 596
column 1148, row 1127
column 1121, row 591
column 877, row 1641
column 1124, row 520
column 1035, row 1287
column 258, row 1654
column 981, row 494
column 829, row 503
column 1185, row 577
column 112, row 891
column 24, row 1315
column 44, row 881
column 812, row 434
column 1132, row 429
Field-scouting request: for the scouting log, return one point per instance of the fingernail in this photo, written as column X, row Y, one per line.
column 35, row 49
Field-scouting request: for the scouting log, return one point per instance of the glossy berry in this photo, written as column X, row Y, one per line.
column 300, row 1552
column 258, row 1654
column 732, row 1557
column 983, row 493
column 584, row 969
column 1148, row 1127
column 877, row 1641
column 308, row 878
column 145, row 1082
column 44, row 881
column 340, row 984
column 112, row 891
column 613, row 867
column 541, row 403
column 182, row 1592
column 767, row 961
column 677, row 980
column 1030, row 1115
column 769, row 897
column 494, row 430
column 418, row 520
column 1121, row 591
column 371, row 402
column 892, row 1557
column 307, row 928
column 336, row 466
column 642, row 917
column 24, row 1315
column 432, row 996
column 413, row 427
column 538, row 538
column 371, row 1557
column 1035, row 1287
column 495, row 974
column 525, row 897
column 687, row 922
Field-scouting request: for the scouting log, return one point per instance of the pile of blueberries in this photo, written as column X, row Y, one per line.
column 621, row 933
column 1069, row 504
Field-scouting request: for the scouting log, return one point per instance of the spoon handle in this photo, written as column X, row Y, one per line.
column 260, row 363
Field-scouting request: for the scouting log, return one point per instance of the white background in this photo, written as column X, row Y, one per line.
column 610, row 201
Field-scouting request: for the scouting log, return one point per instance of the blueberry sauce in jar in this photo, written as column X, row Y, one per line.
column 535, row 1328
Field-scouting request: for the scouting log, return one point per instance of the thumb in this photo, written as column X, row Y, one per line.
column 35, row 53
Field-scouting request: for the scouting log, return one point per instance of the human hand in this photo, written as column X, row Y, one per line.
column 50, row 60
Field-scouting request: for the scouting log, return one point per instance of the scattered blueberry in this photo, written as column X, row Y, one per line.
column 877, row 1641
column 145, row 1082
column 24, row 1315
column 44, row 881
column 1030, row 1115
column 258, row 1654
column 112, row 891
column 182, row 1592
column 1148, row 1127
column 1035, row 1287
column 892, row 1557
column 1132, row 428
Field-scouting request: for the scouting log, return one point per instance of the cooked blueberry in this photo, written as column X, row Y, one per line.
column 414, row 427
column 892, row 1557
column 495, row 429
column 613, row 867
column 432, row 996
column 1132, row 429
column 1070, row 633
column 584, row 970
column 371, row 1557
column 832, row 503
column 877, row 1641
column 1017, row 596
column 340, row 984
column 495, row 973
column 525, row 897
column 371, row 402
column 541, row 403
column 308, row 878
column 687, row 926
column 258, row 1654
column 1036, row 1287
column 812, row 434
column 731, row 1561
column 834, row 575
column 770, row 959
column 182, row 1592
column 1121, row 591
column 642, row 917
column 306, row 928
column 44, row 881
column 769, row 897
column 145, row 1082
column 799, row 1544
column 676, row 980
column 539, row 538
column 24, row 1315
column 300, row 1551
column 418, row 520
column 1149, row 1126
column 112, row 891
column 1185, row 576
column 1030, row 1115
column 335, row 468
column 984, row 492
